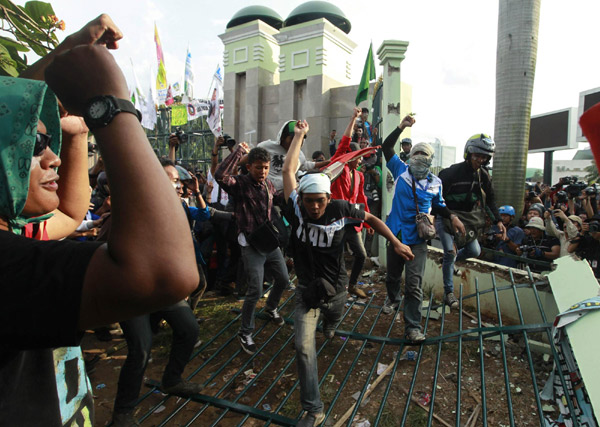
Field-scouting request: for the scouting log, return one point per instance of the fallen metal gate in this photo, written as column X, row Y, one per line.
column 365, row 338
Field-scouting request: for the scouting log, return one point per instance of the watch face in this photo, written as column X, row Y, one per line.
column 97, row 109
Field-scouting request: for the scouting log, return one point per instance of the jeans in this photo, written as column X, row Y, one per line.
column 471, row 250
column 255, row 263
column 413, row 283
column 354, row 240
column 305, row 327
column 138, row 334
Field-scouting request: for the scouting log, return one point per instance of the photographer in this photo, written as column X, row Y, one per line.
column 587, row 245
column 507, row 242
column 537, row 245
column 571, row 228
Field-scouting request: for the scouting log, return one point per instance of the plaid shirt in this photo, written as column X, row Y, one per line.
column 252, row 206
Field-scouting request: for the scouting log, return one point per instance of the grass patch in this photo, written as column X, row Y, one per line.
column 216, row 314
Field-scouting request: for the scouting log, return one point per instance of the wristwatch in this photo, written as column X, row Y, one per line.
column 100, row 110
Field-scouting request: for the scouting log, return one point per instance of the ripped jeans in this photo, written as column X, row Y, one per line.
column 471, row 250
column 305, row 327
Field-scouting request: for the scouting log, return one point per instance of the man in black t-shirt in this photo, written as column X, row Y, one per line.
column 318, row 225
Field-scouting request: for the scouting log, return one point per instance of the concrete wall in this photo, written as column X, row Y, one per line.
column 480, row 272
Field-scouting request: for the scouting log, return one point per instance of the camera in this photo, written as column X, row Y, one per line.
column 594, row 227
column 575, row 188
column 562, row 197
column 591, row 190
column 530, row 195
column 181, row 135
column 228, row 141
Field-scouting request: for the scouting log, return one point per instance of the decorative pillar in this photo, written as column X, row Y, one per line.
column 390, row 54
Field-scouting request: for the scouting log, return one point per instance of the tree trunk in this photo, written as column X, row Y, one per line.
column 518, row 22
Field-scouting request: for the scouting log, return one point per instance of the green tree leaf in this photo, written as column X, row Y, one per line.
column 7, row 64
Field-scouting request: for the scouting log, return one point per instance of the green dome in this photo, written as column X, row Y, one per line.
column 252, row 13
column 319, row 9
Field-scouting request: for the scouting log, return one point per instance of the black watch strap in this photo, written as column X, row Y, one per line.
column 127, row 106
column 112, row 107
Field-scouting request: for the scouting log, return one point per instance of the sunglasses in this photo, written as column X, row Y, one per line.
column 42, row 141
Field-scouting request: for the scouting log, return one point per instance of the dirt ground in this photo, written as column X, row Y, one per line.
column 347, row 362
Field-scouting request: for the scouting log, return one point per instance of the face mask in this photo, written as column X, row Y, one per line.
column 419, row 165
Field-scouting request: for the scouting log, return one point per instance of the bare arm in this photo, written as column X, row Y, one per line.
column 214, row 155
column 73, row 189
column 173, row 144
column 136, row 271
column 290, row 165
column 100, row 31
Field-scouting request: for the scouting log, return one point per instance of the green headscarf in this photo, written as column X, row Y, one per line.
column 22, row 103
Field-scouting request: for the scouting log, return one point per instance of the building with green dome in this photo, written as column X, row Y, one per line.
column 294, row 68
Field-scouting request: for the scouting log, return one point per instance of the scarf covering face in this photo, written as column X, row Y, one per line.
column 22, row 103
column 419, row 164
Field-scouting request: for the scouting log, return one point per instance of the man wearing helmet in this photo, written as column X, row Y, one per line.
column 406, row 147
column 467, row 188
column 508, row 242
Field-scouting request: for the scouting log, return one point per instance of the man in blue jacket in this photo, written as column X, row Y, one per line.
column 428, row 190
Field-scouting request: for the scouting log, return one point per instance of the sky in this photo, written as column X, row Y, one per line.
column 450, row 62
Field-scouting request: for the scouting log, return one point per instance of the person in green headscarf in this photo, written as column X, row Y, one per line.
column 52, row 291
column 31, row 201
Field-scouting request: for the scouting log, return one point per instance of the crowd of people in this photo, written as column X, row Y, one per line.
column 253, row 216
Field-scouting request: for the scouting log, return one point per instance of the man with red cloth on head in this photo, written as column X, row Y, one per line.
column 350, row 186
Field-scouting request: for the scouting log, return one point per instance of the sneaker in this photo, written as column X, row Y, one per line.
column 389, row 307
column 415, row 336
column 310, row 420
column 247, row 343
column 275, row 316
column 451, row 300
column 354, row 290
column 124, row 420
column 183, row 389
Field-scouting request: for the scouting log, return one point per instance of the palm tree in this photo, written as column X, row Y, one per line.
column 591, row 173
column 518, row 22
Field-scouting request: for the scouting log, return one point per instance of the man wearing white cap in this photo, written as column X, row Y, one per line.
column 539, row 246
column 318, row 225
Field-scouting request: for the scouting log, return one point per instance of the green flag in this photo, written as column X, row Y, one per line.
column 178, row 115
column 367, row 75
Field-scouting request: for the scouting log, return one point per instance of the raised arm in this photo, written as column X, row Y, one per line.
column 73, row 189
column 137, row 271
column 214, row 155
column 290, row 165
column 345, row 141
column 100, row 31
column 392, row 138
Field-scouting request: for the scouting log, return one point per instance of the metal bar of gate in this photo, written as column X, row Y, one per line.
column 414, row 378
column 481, row 333
column 481, row 361
column 459, row 361
column 511, row 417
column 536, row 392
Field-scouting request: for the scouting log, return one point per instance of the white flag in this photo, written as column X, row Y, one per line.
column 196, row 109
column 214, row 108
column 188, row 80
